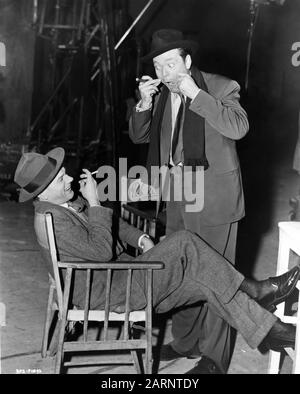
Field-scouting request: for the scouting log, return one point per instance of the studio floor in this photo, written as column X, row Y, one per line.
column 24, row 281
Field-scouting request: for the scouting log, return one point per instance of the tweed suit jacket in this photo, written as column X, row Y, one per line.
column 191, row 266
column 92, row 239
column 193, row 272
column 225, row 122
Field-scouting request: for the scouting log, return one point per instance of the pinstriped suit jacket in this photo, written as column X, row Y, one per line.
column 225, row 122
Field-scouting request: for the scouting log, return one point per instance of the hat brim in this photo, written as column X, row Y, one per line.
column 186, row 44
column 58, row 154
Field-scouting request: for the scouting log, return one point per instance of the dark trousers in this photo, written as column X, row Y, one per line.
column 198, row 327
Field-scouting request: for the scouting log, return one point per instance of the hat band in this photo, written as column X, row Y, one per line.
column 39, row 179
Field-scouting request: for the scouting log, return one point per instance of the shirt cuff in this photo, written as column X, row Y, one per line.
column 196, row 95
column 138, row 107
column 140, row 239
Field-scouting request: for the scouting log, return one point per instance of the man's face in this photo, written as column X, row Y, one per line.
column 59, row 191
column 168, row 65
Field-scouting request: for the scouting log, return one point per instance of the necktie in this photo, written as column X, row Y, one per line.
column 177, row 144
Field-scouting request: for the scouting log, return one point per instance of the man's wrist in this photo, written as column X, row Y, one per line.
column 195, row 94
column 94, row 203
column 143, row 105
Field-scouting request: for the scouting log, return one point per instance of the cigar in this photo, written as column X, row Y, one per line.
column 141, row 80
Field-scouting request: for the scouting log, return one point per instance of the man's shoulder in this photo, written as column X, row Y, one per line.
column 45, row 206
column 218, row 84
column 215, row 78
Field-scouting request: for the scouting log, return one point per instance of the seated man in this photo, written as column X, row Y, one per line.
column 193, row 270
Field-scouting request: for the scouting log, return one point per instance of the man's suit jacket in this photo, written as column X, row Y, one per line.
column 225, row 122
column 93, row 238
column 188, row 275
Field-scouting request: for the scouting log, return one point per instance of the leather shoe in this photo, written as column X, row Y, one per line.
column 282, row 286
column 205, row 366
column 167, row 353
column 281, row 335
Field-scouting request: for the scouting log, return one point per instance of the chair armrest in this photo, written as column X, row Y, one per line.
column 112, row 265
column 138, row 212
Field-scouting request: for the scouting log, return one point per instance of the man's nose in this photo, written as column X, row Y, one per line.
column 68, row 178
column 165, row 72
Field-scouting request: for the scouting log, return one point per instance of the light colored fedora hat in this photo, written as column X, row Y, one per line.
column 36, row 171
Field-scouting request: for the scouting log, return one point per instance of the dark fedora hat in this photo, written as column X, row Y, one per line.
column 166, row 39
column 36, row 171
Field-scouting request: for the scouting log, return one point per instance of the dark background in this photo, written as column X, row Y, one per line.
column 220, row 27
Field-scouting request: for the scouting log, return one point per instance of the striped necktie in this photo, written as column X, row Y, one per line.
column 177, row 143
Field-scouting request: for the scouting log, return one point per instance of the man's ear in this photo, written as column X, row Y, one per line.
column 188, row 62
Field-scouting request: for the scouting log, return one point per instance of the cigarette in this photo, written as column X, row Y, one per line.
column 94, row 172
column 141, row 80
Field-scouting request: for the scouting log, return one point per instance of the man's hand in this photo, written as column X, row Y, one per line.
column 187, row 85
column 88, row 188
column 147, row 90
column 146, row 244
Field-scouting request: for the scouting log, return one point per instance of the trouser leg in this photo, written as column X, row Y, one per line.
column 195, row 272
column 219, row 337
column 205, row 332
column 199, row 326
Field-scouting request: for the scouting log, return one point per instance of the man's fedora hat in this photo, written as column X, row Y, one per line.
column 36, row 171
column 166, row 39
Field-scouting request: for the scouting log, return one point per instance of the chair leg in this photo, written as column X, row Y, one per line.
column 148, row 355
column 136, row 361
column 52, row 350
column 48, row 319
column 148, row 360
column 296, row 363
column 148, row 326
column 274, row 362
column 62, row 322
column 59, row 353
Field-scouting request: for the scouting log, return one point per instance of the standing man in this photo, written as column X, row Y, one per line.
column 193, row 120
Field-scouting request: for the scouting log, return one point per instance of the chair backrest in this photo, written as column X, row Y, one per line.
column 43, row 225
column 46, row 238
column 122, row 313
column 145, row 221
